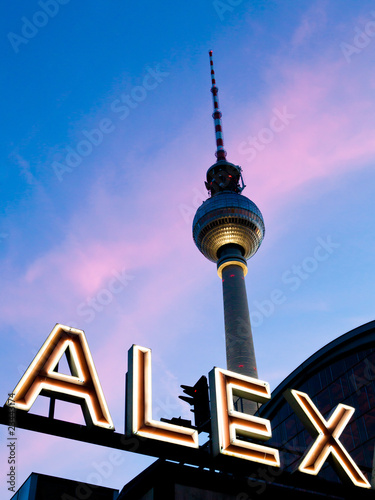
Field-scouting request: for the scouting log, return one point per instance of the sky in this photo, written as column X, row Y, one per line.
column 106, row 139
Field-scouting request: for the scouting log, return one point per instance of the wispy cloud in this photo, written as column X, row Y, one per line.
column 313, row 21
column 25, row 168
column 331, row 132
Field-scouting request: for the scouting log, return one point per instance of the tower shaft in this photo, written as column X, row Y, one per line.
column 239, row 344
column 238, row 335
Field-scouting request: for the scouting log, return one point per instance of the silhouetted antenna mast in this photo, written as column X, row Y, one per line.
column 220, row 151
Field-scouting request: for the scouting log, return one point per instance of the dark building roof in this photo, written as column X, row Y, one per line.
column 165, row 480
column 43, row 487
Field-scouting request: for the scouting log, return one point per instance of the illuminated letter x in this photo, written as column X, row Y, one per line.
column 327, row 441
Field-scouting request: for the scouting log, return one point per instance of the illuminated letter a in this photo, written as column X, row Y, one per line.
column 82, row 387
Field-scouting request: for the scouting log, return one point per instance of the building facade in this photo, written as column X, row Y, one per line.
column 341, row 372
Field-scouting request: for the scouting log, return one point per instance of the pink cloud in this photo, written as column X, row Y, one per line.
column 328, row 131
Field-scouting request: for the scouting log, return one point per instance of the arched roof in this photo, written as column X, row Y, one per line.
column 355, row 340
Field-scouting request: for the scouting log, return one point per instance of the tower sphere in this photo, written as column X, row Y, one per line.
column 228, row 218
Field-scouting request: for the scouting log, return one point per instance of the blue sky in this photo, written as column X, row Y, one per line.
column 107, row 135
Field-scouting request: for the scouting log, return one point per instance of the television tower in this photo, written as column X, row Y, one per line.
column 228, row 229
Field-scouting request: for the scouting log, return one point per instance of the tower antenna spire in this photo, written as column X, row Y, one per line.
column 220, row 151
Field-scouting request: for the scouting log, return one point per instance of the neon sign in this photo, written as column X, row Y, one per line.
column 228, row 425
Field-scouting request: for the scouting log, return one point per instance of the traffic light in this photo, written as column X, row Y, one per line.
column 197, row 396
